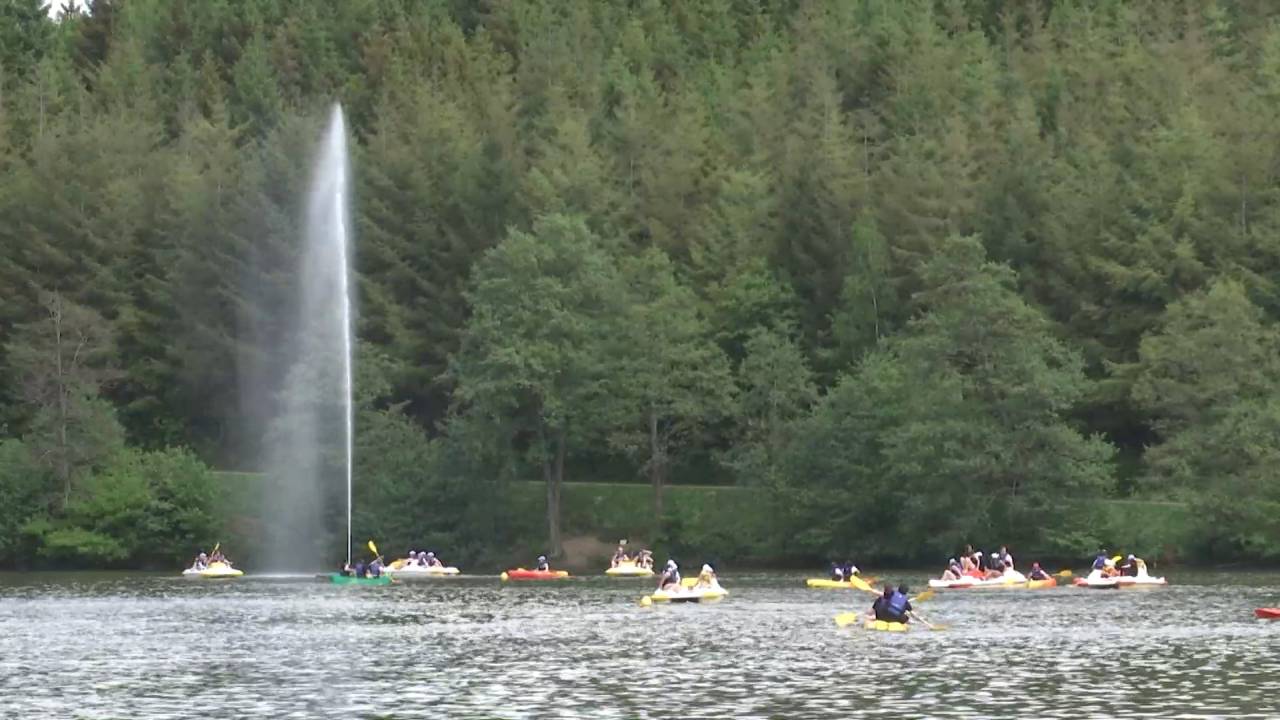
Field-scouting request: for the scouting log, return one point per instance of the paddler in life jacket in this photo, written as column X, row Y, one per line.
column 896, row 605
column 430, row 560
column 837, row 572
column 620, row 555
column 645, row 560
column 995, row 567
column 543, row 565
column 670, row 579
column 1100, row 562
column 375, row 567
column 850, row 570
column 878, row 610
column 412, row 559
column 1037, row 572
column 201, row 562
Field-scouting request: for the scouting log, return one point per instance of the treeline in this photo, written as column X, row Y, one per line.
column 927, row 270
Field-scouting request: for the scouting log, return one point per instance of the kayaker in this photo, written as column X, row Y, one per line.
column 375, row 568
column 358, row 571
column 706, row 577
column 645, row 560
column 850, row 570
column 201, row 562
column 994, row 568
column 1133, row 566
column 1109, row 568
column 1006, row 560
column 878, row 608
column 430, row 560
column 543, row 565
column 1100, row 562
column 954, row 570
column 837, row 572
column 620, row 555
column 670, row 577
column 1037, row 572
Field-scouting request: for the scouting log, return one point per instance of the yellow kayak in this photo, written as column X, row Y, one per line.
column 215, row 570
column 629, row 569
column 686, row 594
column 854, row 584
column 885, row 626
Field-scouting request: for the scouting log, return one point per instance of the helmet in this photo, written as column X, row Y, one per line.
column 430, row 554
column 707, row 569
column 413, row 553
column 542, row 558
column 623, row 541
column 1131, row 557
column 671, row 563
column 951, row 561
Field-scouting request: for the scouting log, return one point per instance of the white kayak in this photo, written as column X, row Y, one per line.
column 405, row 571
column 628, row 569
column 1011, row 578
column 214, row 570
column 1097, row 581
column 688, row 594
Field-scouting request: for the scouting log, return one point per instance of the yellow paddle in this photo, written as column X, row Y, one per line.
column 845, row 619
column 926, row 595
column 1063, row 574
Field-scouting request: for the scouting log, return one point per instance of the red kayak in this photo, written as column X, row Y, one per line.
column 522, row 574
column 1267, row 613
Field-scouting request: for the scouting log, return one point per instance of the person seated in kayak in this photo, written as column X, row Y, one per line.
column 954, row 570
column 837, row 572
column 429, row 559
column 201, row 562
column 893, row 605
column 1005, row 558
column 543, row 565
column 1100, row 562
column 1133, row 566
column 357, row 570
column 620, row 555
column 706, row 578
column 670, row 579
column 375, row 568
column 1037, row 572
column 850, row 570
column 994, row 567
column 1109, row 568
column 645, row 560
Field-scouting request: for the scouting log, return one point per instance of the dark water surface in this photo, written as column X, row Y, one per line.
column 91, row 645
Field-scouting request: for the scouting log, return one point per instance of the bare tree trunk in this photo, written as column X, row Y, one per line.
column 553, row 472
column 64, row 459
column 656, row 462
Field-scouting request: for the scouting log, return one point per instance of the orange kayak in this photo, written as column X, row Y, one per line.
column 522, row 574
column 1267, row 613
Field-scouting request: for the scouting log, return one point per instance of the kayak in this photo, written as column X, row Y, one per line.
column 522, row 574
column 629, row 569
column 405, row 571
column 686, row 595
column 1096, row 581
column 1010, row 580
column 885, row 626
column 1267, row 613
column 1042, row 584
column 215, row 570
column 340, row 579
column 833, row 584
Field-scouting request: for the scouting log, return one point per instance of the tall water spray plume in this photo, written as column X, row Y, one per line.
column 310, row 442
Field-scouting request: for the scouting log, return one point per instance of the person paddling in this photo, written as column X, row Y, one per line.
column 837, row 572
column 1100, row 562
column 430, row 560
column 1037, row 572
column 706, row 578
column 620, row 555
column 670, row 579
column 879, row 608
column 954, row 570
column 645, row 559
column 543, row 565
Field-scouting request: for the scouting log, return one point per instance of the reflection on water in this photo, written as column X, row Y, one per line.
column 99, row 646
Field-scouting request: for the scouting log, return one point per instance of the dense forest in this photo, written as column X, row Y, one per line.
column 917, row 272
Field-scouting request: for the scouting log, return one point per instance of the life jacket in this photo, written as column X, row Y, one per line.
column 837, row 573
column 897, row 605
column 1099, row 562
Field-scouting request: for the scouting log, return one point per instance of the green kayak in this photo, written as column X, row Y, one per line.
column 340, row 579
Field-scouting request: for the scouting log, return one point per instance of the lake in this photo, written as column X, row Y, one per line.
column 101, row 645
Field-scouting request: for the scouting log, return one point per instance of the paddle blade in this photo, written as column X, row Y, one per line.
column 846, row 619
column 860, row 584
column 215, row 547
column 373, row 549
column 1064, row 573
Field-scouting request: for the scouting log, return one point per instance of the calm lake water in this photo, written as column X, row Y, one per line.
column 115, row 646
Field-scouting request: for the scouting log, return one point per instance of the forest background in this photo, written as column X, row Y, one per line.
column 755, row 280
